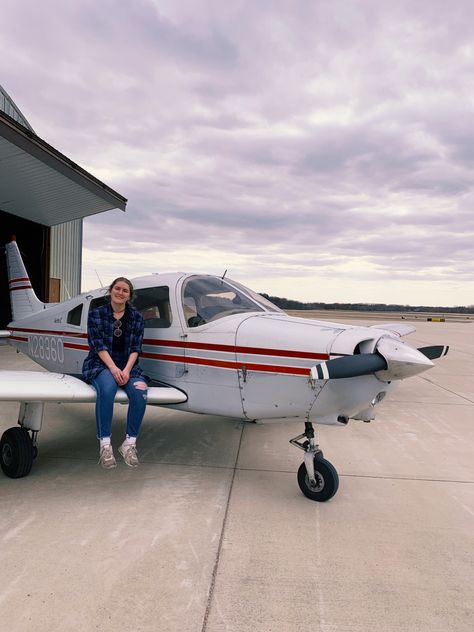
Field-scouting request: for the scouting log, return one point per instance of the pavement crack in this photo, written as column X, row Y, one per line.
column 448, row 390
column 221, row 538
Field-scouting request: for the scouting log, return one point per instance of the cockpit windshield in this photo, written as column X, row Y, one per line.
column 208, row 298
column 258, row 298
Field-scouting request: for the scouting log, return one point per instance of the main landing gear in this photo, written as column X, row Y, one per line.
column 18, row 447
column 317, row 477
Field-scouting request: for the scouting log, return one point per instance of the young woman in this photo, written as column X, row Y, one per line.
column 115, row 333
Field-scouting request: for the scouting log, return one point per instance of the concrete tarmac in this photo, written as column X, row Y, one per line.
column 211, row 533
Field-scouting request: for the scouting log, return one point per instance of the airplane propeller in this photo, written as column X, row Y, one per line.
column 434, row 352
column 349, row 366
column 393, row 360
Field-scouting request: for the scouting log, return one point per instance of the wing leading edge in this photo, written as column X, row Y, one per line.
column 35, row 386
column 401, row 329
column 4, row 336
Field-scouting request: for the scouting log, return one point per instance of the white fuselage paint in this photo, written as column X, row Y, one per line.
column 253, row 365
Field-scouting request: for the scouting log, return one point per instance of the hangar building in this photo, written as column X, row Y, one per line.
column 44, row 197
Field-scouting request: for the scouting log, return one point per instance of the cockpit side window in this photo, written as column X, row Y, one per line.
column 154, row 305
column 206, row 299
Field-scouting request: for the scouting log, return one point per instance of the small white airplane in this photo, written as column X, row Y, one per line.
column 211, row 346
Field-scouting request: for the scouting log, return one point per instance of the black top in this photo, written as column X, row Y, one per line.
column 118, row 340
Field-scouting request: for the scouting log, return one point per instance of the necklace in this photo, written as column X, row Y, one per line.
column 118, row 313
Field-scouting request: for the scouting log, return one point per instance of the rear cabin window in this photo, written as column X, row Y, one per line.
column 154, row 305
column 98, row 302
column 152, row 302
column 75, row 315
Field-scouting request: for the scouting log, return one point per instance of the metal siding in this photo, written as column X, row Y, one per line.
column 66, row 257
column 8, row 106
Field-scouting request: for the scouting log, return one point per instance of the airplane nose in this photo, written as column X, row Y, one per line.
column 402, row 361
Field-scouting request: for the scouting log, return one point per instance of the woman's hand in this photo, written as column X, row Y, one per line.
column 117, row 374
column 125, row 376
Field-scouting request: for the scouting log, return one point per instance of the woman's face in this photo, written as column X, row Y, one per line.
column 120, row 293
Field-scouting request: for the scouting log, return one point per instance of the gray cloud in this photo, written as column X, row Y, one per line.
column 318, row 137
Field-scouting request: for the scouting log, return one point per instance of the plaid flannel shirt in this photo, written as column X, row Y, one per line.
column 100, row 331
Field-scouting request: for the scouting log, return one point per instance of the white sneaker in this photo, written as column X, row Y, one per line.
column 106, row 457
column 129, row 453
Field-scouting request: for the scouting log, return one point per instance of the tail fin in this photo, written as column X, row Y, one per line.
column 24, row 301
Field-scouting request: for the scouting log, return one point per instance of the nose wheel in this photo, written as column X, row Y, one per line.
column 317, row 477
column 324, row 484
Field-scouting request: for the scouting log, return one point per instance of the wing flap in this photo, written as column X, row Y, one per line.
column 36, row 386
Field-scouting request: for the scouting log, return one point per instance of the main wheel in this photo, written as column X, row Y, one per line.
column 16, row 452
column 327, row 480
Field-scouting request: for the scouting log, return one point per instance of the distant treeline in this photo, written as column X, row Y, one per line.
column 286, row 303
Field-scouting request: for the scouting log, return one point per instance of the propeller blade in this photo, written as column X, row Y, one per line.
column 349, row 366
column 434, row 352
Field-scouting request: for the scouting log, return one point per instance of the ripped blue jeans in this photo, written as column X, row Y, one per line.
column 106, row 388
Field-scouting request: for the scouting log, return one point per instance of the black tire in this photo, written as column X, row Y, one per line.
column 16, row 452
column 327, row 480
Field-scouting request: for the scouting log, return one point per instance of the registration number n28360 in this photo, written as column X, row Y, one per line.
column 46, row 348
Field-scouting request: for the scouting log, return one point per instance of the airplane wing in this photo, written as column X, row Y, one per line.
column 36, row 386
column 401, row 329
column 4, row 335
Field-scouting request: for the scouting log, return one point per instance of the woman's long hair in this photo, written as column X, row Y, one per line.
column 125, row 280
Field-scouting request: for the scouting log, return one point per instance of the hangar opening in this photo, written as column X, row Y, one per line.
column 44, row 197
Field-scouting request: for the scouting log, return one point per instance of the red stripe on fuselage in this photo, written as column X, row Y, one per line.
column 18, row 280
column 18, row 338
column 227, row 364
column 205, row 346
column 21, row 287
column 72, row 345
column 50, row 332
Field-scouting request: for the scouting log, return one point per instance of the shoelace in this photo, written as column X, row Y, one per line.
column 106, row 453
column 131, row 452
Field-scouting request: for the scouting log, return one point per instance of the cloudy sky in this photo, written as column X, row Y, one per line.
column 321, row 150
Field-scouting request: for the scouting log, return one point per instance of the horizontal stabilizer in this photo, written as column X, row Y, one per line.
column 434, row 352
column 36, row 386
column 349, row 366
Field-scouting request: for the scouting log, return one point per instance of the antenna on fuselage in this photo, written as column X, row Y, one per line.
column 100, row 280
column 222, row 277
column 67, row 291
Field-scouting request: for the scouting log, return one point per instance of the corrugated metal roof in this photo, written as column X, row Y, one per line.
column 8, row 106
column 39, row 183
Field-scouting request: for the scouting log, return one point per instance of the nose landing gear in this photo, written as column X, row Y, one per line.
column 317, row 477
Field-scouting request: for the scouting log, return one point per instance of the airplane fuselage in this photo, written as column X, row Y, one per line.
column 252, row 364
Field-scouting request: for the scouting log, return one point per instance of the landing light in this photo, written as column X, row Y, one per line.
column 378, row 398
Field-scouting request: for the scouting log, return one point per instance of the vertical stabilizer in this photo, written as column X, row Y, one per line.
column 24, row 301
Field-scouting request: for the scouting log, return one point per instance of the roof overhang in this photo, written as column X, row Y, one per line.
column 40, row 184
